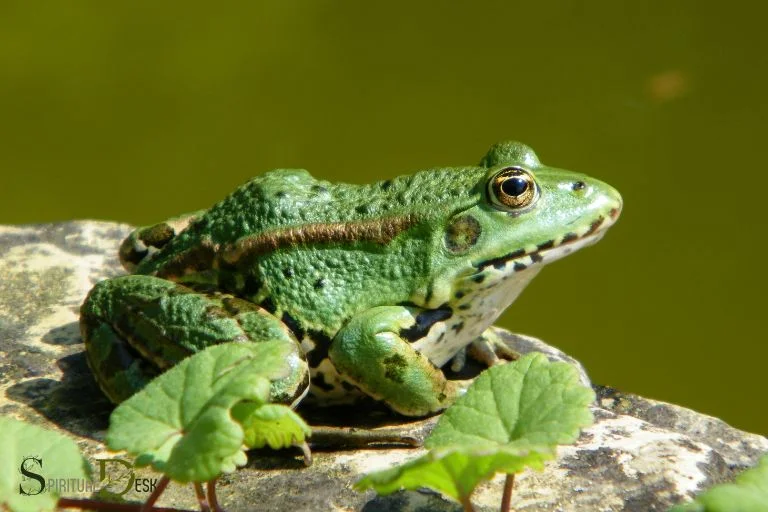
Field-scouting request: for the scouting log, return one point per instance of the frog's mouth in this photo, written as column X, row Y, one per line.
column 550, row 250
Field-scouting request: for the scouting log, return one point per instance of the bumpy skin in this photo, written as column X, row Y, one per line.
column 380, row 284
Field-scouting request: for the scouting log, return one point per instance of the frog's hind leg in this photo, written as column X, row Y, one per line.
column 143, row 243
column 137, row 326
column 117, row 367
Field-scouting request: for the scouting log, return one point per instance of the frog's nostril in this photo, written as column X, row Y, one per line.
column 578, row 185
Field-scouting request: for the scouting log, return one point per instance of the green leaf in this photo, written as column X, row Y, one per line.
column 181, row 422
column 531, row 399
column 747, row 493
column 273, row 425
column 512, row 416
column 57, row 458
column 456, row 471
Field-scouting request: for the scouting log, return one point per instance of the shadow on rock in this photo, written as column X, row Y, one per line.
column 68, row 334
column 74, row 403
column 411, row 501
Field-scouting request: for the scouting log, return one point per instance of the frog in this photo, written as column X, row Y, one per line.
column 375, row 291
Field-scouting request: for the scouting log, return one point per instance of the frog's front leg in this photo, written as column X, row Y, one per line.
column 370, row 353
column 137, row 326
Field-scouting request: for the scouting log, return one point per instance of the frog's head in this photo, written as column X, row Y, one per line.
column 523, row 215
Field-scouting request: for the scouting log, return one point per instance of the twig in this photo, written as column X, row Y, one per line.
column 304, row 447
column 201, row 497
column 468, row 507
column 212, row 500
column 150, row 503
column 506, row 498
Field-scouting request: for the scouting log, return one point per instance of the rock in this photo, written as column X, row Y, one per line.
column 639, row 455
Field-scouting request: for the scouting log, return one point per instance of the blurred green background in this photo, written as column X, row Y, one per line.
column 138, row 111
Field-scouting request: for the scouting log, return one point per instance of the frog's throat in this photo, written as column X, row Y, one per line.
column 381, row 231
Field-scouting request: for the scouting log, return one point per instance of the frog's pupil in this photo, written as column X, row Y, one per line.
column 514, row 186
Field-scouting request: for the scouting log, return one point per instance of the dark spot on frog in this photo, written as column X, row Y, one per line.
column 441, row 337
column 458, row 294
column 519, row 266
column 578, row 185
column 157, row 235
column 319, row 381
column 536, row 257
column 614, row 212
column 213, row 312
column 424, row 321
column 293, row 325
column 190, row 261
column 546, row 245
column 319, row 189
column 319, row 284
column 251, row 286
column 232, row 304
column 131, row 253
column 464, row 307
column 569, row 237
column 348, row 387
column 320, row 351
column 268, row 304
column 500, row 262
column 395, row 367
column 478, row 278
column 362, row 209
column 458, row 327
column 595, row 225
column 280, row 193
column 386, row 184
column 287, row 273
column 462, row 233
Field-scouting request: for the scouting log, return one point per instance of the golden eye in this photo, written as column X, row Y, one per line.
column 512, row 188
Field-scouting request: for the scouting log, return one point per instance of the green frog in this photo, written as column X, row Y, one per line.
column 376, row 289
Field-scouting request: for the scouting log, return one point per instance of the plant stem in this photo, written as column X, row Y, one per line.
column 161, row 485
column 90, row 504
column 506, row 498
column 307, row 453
column 201, row 497
column 212, row 500
column 468, row 507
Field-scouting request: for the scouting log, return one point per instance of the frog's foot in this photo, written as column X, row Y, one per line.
column 490, row 349
column 371, row 354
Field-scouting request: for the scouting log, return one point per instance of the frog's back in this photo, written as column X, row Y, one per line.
column 290, row 207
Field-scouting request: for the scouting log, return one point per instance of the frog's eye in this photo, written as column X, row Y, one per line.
column 512, row 188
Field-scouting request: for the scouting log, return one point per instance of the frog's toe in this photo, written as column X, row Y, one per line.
column 489, row 349
column 459, row 360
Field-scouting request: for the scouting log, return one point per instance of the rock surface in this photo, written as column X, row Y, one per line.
column 639, row 455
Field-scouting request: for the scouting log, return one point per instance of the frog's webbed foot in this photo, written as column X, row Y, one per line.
column 490, row 349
